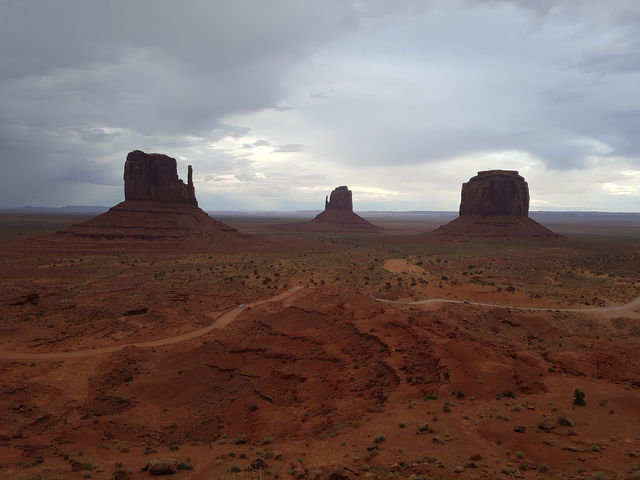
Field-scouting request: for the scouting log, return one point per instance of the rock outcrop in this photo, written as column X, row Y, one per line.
column 341, row 199
column 495, row 192
column 495, row 203
column 153, row 177
column 338, row 215
column 158, row 206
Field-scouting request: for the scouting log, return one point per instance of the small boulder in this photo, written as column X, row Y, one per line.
column 298, row 473
column 425, row 428
column 343, row 473
column 162, row 466
column 120, row 475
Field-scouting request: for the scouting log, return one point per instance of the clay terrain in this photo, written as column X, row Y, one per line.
column 314, row 355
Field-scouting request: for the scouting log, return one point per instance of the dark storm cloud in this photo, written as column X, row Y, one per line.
column 364, row 86
column 153, row 70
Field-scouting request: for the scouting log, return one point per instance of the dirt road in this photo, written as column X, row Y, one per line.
column 221, row 321
column 597, row 310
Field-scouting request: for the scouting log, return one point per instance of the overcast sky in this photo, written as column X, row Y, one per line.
column 276, row 102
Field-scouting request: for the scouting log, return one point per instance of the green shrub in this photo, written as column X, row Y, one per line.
column 379, row 438
column 508, row 394
column 578, row 398
column 565, row 421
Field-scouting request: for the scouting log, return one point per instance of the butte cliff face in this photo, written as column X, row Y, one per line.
column 341, row 199
column 495, row 192
column 159, row 206
column 338, row 214
column 153, row 177
column 495, row 203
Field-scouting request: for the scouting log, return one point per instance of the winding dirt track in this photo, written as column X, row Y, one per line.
column 221, row 321
column 230, row 315
column 620, row 308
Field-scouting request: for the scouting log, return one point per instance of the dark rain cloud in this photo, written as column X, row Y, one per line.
column 364, row 84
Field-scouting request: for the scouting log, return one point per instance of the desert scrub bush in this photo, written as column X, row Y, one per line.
column 565, row 421
column 578, row 398
column 516, row 408
column 379, row 438
column 431, row 396
column 597, row 476
column 234, row 469
column 595, row 448
column 507, row 394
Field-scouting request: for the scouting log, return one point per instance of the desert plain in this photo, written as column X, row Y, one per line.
column 313, row 355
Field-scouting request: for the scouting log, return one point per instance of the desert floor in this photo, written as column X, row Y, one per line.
column 335, row 365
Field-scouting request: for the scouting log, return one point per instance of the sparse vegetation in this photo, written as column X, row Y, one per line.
column 565, row 421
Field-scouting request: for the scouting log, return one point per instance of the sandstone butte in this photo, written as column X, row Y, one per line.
column 495, row 203
column 338, row 215
column 157, row 206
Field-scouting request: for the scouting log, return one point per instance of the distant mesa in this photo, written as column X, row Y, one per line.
column 341, row 199
column 157, row 206
column 338, row 215
column 495, row 203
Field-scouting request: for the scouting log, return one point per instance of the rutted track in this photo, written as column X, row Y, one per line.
column 221, row 321
column 619, row 308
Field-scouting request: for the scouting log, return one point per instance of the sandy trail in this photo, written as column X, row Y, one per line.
column 620, row 308
column 220, row 322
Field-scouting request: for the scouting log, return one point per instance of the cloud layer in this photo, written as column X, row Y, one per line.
column 275, row 103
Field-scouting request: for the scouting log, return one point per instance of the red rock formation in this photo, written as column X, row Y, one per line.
column 495, row 192
column 158, row 206
column 338, row 216
column 153, row 177
column 495, row 203
column 341, row 199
